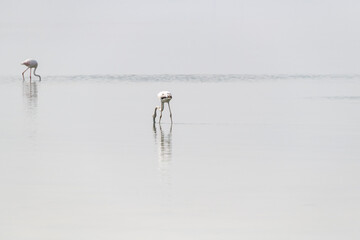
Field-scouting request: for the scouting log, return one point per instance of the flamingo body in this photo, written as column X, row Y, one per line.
column 31, row 63
column 165, row 97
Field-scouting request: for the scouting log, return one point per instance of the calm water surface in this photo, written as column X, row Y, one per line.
column 248, row 157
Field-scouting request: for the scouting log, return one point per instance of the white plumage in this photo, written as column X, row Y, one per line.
column 165, row 97
column 30, row 63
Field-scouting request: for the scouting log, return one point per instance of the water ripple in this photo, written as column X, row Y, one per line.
column 223, row 78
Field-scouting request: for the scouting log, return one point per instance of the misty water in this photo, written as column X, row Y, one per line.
column 247, row 157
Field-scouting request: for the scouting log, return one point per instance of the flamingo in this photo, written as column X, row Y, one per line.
column 164, row 97
column 30, row 63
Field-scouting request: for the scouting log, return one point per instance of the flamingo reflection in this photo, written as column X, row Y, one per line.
column 163, row 141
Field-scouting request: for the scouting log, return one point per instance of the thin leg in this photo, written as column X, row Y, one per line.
column 30, row 74
column 170, row 112
column 23, row 73
column 161, row 114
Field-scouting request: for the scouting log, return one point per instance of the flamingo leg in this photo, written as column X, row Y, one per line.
column 23, row 73
column 30, row 74
column 161, row 110
column 170, row 112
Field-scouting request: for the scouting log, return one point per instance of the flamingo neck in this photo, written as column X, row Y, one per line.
column 161, row 108
column 36, row 74
column 154, row 115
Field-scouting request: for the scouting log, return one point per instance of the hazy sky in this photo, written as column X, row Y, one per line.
column 181, row 36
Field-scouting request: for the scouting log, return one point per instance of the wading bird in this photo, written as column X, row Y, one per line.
column 30, row 63
column 164, row 97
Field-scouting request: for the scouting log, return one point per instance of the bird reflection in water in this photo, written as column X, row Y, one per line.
column 30, row 98
column 163, row 142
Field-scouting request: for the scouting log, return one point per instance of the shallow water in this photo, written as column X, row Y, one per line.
column 252, row 157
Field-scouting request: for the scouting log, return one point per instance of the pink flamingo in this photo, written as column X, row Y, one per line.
column 164, row 97
column 30, row 63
